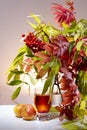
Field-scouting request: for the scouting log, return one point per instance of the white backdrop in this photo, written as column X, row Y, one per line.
column 13, row 15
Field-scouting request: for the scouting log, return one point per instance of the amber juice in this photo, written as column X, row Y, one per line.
column 42, row 103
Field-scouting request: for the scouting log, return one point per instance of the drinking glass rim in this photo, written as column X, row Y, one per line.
column 38, row 90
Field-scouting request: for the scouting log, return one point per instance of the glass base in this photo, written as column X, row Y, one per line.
column 47, row 116
column 42, row 116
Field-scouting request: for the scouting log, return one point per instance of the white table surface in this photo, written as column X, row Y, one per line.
column 8, row 121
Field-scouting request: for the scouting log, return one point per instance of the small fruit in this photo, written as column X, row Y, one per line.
column 18, row 109
column 28, row 112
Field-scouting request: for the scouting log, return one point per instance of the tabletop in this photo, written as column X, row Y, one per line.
column 8, row 121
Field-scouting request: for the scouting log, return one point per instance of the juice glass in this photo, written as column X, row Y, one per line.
column 42, row 102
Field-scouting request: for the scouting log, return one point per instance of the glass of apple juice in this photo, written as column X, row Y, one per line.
column 42, row 103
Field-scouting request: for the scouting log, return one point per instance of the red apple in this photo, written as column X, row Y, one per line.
column 17, row 110
column 28, row 112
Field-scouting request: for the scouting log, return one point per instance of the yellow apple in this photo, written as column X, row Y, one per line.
column 28, row 112
column 17, row 110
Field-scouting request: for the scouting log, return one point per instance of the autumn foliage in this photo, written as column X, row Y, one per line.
column 53, row 53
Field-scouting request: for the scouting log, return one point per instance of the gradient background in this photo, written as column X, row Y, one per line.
column 13, row 16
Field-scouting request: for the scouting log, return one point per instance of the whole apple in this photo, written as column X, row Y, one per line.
column 28, row 112
column 17, row 110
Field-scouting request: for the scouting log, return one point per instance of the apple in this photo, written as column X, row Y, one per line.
column 17, row 110
column 28, row 112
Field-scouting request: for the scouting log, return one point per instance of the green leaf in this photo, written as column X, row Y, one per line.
column 81, row 81
column 26, row 83
column 10, row 75
column 15, row 82
column 20, row 54
column 53, row 109
column 82, row 105
column 48, row 83
column 78, row 112
column 36, row 17
column 16, row 93
column 31, row 24
column 71, row 46
column 46, row 86
column 70, row 125
column 85, row 49
column 55, row 66
column 18, row 58
column 50, row 30
column 79, row 44
column 74, row 125
column 16, row 77
column 16, row 71
column 28, row 51
column 76, row 36
column 70, row 29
